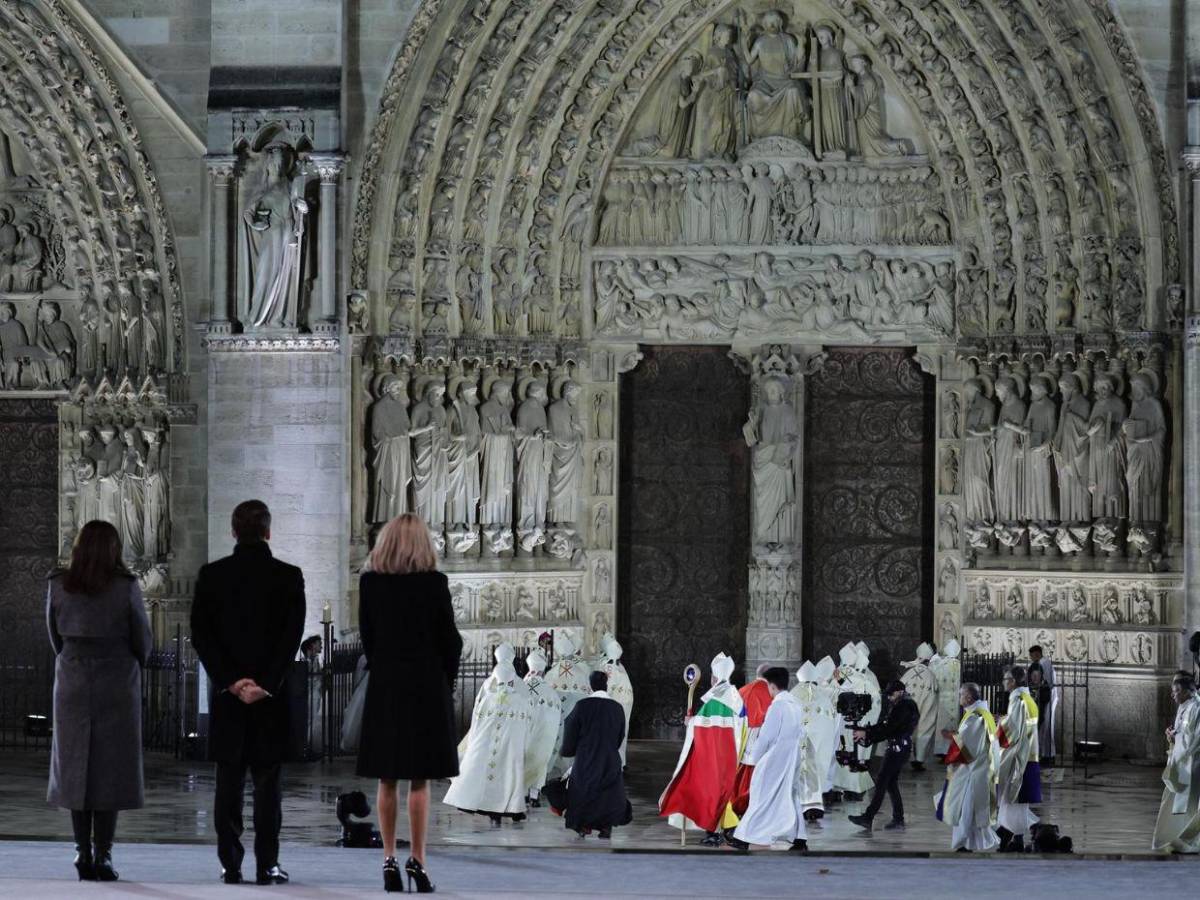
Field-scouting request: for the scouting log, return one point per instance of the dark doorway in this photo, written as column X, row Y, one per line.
column 868, row 506
column 684, row 533
column 28, row 518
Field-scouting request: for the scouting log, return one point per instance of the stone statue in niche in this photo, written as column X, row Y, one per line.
column 28, row 260
column 601, row 625
column 1047, row 608
column 14, row 345
column 864, row 107
column 462, row 456
column 1013, row 642
column 774, row 102
column 109, row 473
column 496, row 423
column 602, row 581
column 1110, row 608
column 8, row 242
column 1110, row 646
column 1106, row 464
column 1077, row 648
column 602, row 527
column 949, row 471
column 133, row 495
column 951, row 411
column 55, row 365
column 157, row 524
column 1014, row 604
column 603, row 413
column 458, row 601
column 1145, row 437
column 1143, row 608
column 948, row 627
column 429, row 456
column 1143, row 649
column 1038, row 430
column 985, row 607
column 602, row 472
column 87, row 488
column 533, row 463
column 274, row 234
column 715, row 128
column 772, row 432
column 1009, row 451
column 390, row 441
column 948, row 528
column 491, row 603
column 1071, row 452
column 527, row 605
column 981, row 640
column 977, row 455
column 566, row 458
column 948, row 582
column 1078, row 609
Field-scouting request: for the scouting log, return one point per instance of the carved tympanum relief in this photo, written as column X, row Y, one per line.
column 88, row 276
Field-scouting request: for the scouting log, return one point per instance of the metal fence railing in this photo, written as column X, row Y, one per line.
column 26, row 698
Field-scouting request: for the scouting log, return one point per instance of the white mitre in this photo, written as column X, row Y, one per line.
column 924, row 652
column 952, row 649
column 537, row 661
column 610, row 647
column 847, row 655
column 722, row 667
column 807, row 672
column 505, row 654
column 563, row 645
column 825, row 669
column 864, row 653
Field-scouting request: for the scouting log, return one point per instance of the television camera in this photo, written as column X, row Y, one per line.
column 853, row 708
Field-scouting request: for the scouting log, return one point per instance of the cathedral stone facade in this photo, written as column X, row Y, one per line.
column 745, row 326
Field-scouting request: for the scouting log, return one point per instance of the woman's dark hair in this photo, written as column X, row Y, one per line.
column 95, row 559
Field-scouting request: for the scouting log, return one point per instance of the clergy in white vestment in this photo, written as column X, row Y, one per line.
column 775, row 816
column 491, row 778
column 1178, row 825
column 947, row 669
column 1037, row 660
column 818, row 717
column 827, row 681
column 543, row 733
column 853, row 681
column 967, row 803
column 863, row 664
column 1018, row 775
column 620, row 688
column 568, row 676
column 922, row 686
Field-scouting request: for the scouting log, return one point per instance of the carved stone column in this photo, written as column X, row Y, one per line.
column 325, row 316
column 776, row 427
column 1191, row 474
column 221, row 173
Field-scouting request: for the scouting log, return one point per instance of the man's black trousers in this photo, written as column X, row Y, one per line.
column 888, row 782
column 268, row 816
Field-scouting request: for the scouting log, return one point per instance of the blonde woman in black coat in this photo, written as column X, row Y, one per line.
column 413, row 648
column 101, row 637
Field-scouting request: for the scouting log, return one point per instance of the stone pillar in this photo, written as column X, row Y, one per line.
column 221, row 172
column 1191, row 474
column 325, row 317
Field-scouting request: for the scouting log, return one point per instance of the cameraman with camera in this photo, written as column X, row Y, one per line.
column 897, row 729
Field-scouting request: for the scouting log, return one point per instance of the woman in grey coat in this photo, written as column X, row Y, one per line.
column 101, row 637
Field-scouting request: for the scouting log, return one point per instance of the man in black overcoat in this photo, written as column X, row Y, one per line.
column 247, row 621
column 592, row 736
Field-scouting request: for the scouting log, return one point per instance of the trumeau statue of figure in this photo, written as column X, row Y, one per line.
column 771, row 432
column 533, row 462
column 774, row 102
column 157, row 523
column 392, row 463
column 466, row 442
column 430, row 445
column 1071, row 451
column 1009, row 452
column 497, row 481
column 133, row 495
column 1106, row 468
column 1041, row 423
column 273, row 230
column 977, row 454
column 1145, row 436
column 714, row 132
column 566, row 460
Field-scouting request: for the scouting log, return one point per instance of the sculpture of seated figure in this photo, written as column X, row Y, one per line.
column 775, row 102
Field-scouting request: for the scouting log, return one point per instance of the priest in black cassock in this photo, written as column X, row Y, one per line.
column 592, row 736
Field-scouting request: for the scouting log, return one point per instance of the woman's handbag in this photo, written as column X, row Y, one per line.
column 353, row 716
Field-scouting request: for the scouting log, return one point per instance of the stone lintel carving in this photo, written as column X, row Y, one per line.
column 523, row 599
column 260, row 343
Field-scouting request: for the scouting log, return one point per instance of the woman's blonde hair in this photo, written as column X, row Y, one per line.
column 403, row 546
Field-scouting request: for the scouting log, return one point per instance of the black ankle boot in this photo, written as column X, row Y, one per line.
column 104, row 866
column 83, row 863
column 106, row 829
column 81, row 825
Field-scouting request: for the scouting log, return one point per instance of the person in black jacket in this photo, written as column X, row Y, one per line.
column 897, row 727
column 592, row 737
column 247, row 622
column 406, row 620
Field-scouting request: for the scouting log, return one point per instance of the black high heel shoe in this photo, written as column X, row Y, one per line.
column 83, row 863
column 104, row 866
column 416, row 872
column 392, row 882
